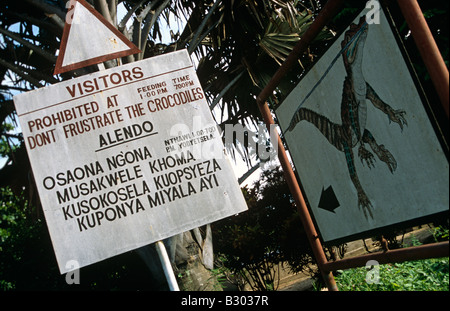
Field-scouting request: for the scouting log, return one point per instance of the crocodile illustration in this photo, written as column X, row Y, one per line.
column 353, row 132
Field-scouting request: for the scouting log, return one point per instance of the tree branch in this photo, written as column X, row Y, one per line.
column 51, row 27
column 20, row 72
column 149, row 25
column 51, row 58
column 125, row 19
column 102, row 7
column 193, row 44
column 48, row 8
column 226, row 88
column 112, row 4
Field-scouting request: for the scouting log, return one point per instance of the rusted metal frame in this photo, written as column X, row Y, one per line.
column 428, row 48
column 306, row 219
column 435, row 250
column 439, row 75
column 326, row 14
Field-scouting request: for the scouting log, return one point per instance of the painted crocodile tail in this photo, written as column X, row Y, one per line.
column 331, row 131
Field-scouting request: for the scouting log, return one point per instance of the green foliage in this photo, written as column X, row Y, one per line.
column 252, row 244
column 16, row 230
column 440, row 233
column 420, row 275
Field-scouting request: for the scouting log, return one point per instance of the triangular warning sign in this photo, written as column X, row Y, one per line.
column 89, row 39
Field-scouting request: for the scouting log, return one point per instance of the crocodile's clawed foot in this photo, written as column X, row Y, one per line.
column 398, row 116
column 365, row 204
column 367, row 156
column 387, row 158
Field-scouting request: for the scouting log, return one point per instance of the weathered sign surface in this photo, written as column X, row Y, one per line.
column 126, row 157
column 361, row 141
column 89, row 39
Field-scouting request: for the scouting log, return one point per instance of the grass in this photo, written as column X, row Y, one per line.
column 420, row 275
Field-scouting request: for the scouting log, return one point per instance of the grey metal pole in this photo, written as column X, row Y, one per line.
column 167, row 266
column 160, row 248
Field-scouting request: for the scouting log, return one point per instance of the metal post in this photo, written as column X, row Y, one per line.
column 308, row 224
column 167, row 266
column 329, row 11
column 160, row 248
column 428, row 48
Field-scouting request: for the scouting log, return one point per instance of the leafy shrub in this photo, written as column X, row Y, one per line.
column 253, row 244
column 16, row 231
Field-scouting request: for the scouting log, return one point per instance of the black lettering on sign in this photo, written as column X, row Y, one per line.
column 182, row 182
column 125, row 134
column 108, row 206
column 105, row 81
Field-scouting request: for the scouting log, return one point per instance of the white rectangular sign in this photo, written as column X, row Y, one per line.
column 361, row 141
column 126, row 157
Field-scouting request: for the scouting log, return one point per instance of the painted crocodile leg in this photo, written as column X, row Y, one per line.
column 382, row 153
column 363, row 200
column 397, row 116
column 334, row 134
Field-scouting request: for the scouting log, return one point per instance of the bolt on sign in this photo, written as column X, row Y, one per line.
column 361, row 140
column 126, row 157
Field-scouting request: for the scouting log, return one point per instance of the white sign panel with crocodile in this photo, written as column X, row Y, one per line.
column 360, row 138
